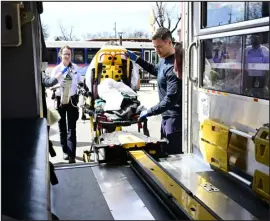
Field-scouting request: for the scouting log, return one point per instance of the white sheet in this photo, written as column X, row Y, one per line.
column 110, row 91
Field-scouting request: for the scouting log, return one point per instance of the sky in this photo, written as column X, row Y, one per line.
column 95, row 17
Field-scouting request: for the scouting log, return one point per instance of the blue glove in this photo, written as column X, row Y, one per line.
column 64, row 70
column 132, row 55
column 143, row 115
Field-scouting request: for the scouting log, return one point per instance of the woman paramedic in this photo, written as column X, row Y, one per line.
column 69, row 112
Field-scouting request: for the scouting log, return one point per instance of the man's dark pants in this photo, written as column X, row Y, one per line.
column 171, row 129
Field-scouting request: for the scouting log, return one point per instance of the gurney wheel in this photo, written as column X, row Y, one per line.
column 86, row 156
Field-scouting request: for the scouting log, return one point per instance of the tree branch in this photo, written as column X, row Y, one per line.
column 70, row 33
column 67, row 34
column 169, row 20
column 156, row 19
column 63, row 33
column 160, row 14
column 179, row 19
column 45, row 31
column 163, row 16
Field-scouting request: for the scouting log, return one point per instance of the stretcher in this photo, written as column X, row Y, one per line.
column 113, row 62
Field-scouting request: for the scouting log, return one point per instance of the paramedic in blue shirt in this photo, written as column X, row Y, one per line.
column 169, row 90
column 69, row 112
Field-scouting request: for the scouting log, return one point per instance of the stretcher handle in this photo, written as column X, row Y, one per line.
column 110, row 53
column 118, row 122
column 122, row 122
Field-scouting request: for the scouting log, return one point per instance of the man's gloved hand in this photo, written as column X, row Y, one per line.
column 132, row 55
column 143, row 115
column 65, row 70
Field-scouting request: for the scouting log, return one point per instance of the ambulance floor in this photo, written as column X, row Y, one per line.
column 103, row 193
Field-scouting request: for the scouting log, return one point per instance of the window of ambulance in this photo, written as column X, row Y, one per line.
column 237, row 64
column 223, row 13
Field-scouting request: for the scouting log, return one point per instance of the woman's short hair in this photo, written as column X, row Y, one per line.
column 62, row 49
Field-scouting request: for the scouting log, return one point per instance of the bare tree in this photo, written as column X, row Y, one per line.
column 255, row 10
column 127, row 34
column 45, row 31
column 104, row 34
column 66, row 34
column 57, row 38
column 137, row 34
column 107, row 34
column 164, row 17
column 87, row 36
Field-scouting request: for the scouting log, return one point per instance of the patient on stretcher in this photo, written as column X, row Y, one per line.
column 112, row 81
column 117, row 101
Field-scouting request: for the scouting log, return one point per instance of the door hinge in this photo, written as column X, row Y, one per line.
column 13, row 17
column 26, row 17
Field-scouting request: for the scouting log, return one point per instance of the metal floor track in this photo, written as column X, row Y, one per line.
column 238, row 192
column 190, row 187
column 103, row 193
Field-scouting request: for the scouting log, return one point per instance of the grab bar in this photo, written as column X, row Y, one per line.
column 240, row 133
column 243, row 180
column 195, row 81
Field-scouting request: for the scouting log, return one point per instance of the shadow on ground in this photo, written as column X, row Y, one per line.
column 80, row 159
column 79, row 144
